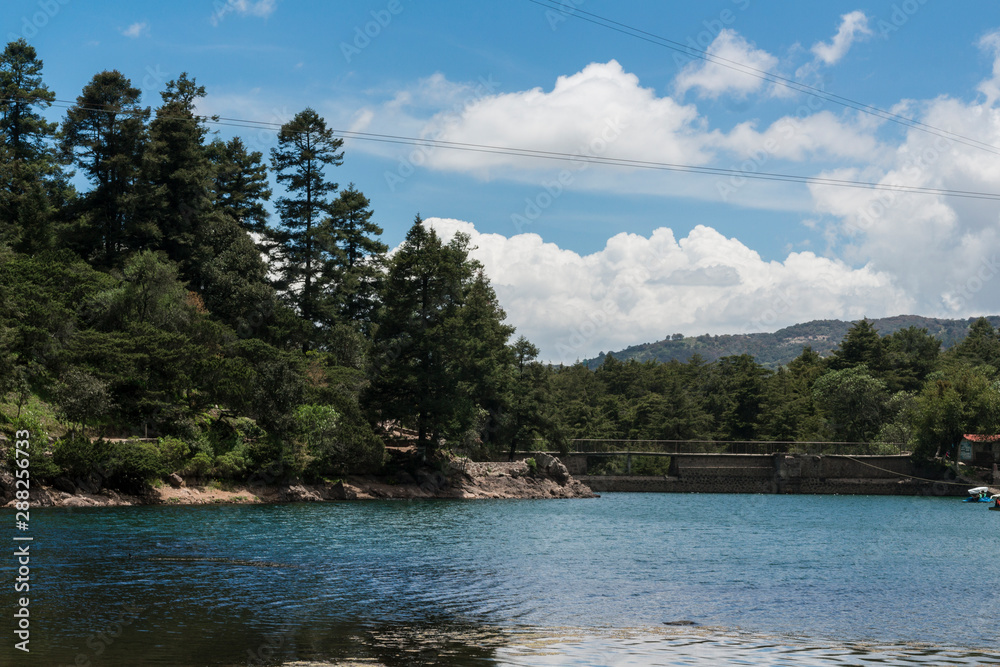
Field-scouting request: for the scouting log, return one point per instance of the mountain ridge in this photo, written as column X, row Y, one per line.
column 778, row 348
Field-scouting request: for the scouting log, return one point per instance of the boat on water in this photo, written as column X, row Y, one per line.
column 980, row 494
column 996, row 503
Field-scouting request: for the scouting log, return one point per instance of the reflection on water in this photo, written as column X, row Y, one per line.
column 769, row 580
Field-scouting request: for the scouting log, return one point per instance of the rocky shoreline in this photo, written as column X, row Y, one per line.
column 548, row 478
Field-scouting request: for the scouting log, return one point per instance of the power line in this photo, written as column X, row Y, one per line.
column 569, row 157
column 770, row 77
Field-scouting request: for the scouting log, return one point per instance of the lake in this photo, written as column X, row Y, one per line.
column 766, row 580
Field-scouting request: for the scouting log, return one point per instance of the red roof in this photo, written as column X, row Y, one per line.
column 982, row 438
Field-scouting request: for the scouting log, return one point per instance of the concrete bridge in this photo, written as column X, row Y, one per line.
column 785, row 473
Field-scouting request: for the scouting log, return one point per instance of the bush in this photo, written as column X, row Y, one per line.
column 175, row 453
column 132, row 465
column 128, row 466
column 199, row 466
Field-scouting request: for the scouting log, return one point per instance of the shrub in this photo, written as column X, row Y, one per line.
column 199, row 466
column 175, row 452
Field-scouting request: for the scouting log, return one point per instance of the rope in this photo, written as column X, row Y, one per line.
column 901, row 474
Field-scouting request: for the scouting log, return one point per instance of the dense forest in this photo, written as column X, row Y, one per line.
column 156, row 318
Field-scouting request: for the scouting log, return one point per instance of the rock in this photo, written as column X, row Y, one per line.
column 6, row 486
column 175, row 480
column 77, row 501
column 90, row 484
column 403, row 477
column 341, row 491
column 299, row 494
column 64, row 484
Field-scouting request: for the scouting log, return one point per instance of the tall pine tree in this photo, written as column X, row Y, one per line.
column 29, row 172
column 105, row 134
column 306, row 147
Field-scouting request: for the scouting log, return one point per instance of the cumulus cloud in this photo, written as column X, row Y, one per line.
column 712, row 78
column 942, row 250
column 136, row 30
column 639, row 289
column 600, row 111
column 853, row 27
column 604, row 111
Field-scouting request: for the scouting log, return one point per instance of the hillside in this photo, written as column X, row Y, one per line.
column 774, row 349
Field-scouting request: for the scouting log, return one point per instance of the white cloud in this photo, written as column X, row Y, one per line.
column 713, row 79
column 942, row 250
column 990, row 43
column 260, row 9
column 641, row 289
column 853, row 26
column 136, row 30
column 601, row 110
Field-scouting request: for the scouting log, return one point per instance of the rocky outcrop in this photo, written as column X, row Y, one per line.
column 460, row 478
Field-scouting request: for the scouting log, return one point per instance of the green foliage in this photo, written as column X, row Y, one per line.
column 532, row 466
column 855, row 402
column 199, row 466
column 329, row 444
column 174, row 452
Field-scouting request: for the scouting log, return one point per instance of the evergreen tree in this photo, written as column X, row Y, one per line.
column 178, row 180
column 306, row 147
column 241, row 186
column 355, row 267
column 419, row 365
column 104, row 133
column 861, row 345
column 981, row 346
column 29, row 172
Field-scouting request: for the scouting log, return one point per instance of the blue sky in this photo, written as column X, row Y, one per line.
column 591, row 258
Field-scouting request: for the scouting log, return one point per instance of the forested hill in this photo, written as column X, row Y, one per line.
column 775, row 349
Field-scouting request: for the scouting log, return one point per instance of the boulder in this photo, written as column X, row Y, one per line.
column 341, row 491
column 299, row 494
column 175, row 480
column 64, row 484
column 6, row 486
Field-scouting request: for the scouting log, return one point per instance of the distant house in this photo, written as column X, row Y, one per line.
column 979, row 449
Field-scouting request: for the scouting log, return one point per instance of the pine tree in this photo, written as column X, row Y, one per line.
column 105, row 134
column 178, row 180
column 418, row 365
column 29, row 172
column 305, row 149
column 241, row 187
column 355, row 270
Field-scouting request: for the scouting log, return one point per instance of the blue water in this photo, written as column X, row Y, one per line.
column 766, row 579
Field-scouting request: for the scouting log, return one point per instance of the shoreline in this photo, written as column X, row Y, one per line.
column 463, row 480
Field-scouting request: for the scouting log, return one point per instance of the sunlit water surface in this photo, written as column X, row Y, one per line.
column 756, row 580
